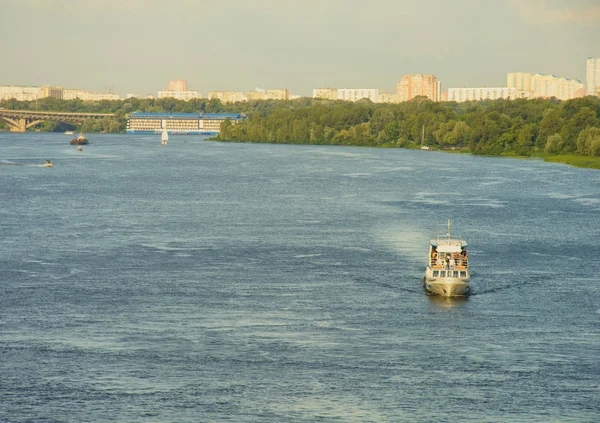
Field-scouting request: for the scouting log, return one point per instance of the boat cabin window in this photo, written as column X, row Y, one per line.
column 455, row 274
column 443, row 273
column 463, row 274
column 436, row 273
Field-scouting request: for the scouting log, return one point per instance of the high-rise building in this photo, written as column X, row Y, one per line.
column 227, row 96
column 385, row 97
column 411, row 86
column 180, row 95
column 325, row 93
column 593, row 76
column 19, row 93
column 178, row 85
column 256, row 95
column 540, row 85
column 553, row 86
column 355, row 94
column 477, row 94
column 278, row 94
column 71, row 94
column 521, row 81
column 48, row 91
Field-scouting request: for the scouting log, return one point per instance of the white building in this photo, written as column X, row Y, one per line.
column 71, row 94
column 325, row 93
column 540, row 85
column 278, row 94
column 355, row 94
column 593, row 76
column 553, row 86
column 227, row 96
column 19, row 93
column 477, row 94
column 180, row 95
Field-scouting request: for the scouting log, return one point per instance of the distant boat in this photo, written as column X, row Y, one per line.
column 80, row 148
column 80, row 140
column 69, row 133
column 48, row 163
column 423, row 147
column 164, row 137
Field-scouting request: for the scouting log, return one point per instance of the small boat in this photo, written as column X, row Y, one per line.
column 69, row 133
column 164, row 137
column 80, row 140
column 80, row 148
column 423, row 147
column 447, row 271
column 48, row 163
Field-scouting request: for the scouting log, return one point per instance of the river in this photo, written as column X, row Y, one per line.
column 211, row 282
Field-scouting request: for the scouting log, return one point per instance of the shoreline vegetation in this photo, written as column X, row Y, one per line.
column 556, row 131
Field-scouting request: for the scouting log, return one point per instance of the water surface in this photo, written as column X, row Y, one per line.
column 204, row 281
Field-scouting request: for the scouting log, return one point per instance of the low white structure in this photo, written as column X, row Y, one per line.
column 180, row 95
column 71, row 94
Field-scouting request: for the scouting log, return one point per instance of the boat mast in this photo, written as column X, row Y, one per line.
column 422, row 135
column 448, row 229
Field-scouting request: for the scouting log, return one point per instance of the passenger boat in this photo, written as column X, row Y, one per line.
column 447, row 271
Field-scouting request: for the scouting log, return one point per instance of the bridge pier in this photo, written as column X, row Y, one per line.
column 21, row 125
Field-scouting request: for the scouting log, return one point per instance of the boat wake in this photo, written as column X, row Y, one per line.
column 23, row 164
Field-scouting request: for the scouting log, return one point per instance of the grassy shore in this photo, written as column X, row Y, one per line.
column 589, row 162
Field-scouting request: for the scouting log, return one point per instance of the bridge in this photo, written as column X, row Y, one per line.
column 20, row 120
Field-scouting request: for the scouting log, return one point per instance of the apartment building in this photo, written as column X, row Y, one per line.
column 325, row 93
column 256, row 95
column 477, row 94
column 227, row 96
column 71, row 94
column 593, row 76
column 355, row 94
column 411, row 86
column 48, row 91
column 540, row 85
column 278, row 94
column 180, row 95
column 178, row 85
column 19, row 93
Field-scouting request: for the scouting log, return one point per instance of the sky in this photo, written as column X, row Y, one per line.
column 137, row 46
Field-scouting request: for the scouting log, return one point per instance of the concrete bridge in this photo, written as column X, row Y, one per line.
column 20, row 120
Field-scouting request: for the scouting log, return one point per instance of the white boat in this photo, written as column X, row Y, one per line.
column 423, row 147
column 447, row 271
column 48, row 163
column 69, row 133
column 164, row 137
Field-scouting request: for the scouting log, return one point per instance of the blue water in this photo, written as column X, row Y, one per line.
column 212, row 282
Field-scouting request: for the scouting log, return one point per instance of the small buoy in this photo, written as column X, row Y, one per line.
column 80, row 148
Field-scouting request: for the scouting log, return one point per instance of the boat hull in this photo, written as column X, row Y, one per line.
column 447, row 287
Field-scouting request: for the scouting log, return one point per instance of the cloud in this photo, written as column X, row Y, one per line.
column 544, row 12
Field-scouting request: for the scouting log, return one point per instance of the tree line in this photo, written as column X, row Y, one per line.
column 498, row 127
column 494, row 127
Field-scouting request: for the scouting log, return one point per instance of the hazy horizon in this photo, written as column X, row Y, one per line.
column 137, row 46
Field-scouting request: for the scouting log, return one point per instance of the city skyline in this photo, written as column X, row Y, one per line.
column 136, row 46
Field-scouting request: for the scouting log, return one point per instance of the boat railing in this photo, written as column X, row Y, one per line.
column 453, row 263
